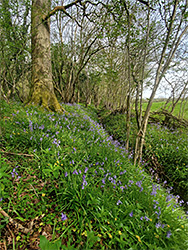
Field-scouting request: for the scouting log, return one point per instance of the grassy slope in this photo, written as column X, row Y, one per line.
column 80, row 186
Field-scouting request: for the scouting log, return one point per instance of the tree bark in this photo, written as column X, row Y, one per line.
column 128, row 112
column 42, row 90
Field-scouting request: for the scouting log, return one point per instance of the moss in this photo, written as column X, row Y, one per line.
column 42, row 96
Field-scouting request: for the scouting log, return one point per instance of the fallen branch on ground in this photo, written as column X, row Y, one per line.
column 16, row 224
column 10, row 153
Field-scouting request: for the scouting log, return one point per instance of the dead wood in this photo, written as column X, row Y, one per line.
column 168, row 120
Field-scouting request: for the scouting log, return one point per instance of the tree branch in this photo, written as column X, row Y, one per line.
column 61, row 8
column 64, row 8
column 146, row 3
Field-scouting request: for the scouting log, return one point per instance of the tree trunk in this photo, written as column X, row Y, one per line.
column 128, row 114
column 42, row 90
column 0, row 108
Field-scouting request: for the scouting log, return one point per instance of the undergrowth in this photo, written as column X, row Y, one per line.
column 171, row 149
column 78, row 187
column 165, row 151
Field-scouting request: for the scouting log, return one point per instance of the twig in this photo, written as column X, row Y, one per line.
column 5, row 245
column 13, row 237
column 10, row 153
column 16, row 224
column 34, row 190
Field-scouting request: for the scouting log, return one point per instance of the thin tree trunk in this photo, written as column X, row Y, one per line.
column 159, row 75
column 182, row 106
column 140, row 90
column 176, row 102
column 128, row 113
column 0, row 107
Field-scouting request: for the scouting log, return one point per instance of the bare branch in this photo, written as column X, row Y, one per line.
column 146, row 3
column 63, row 9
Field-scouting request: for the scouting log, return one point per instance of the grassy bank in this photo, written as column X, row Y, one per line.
column 165, row 150
column 64, row 173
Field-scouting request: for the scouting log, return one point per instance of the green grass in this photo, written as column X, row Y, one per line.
column 156, row 106
column 65, row 172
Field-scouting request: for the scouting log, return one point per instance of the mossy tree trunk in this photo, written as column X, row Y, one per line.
column 42, row 90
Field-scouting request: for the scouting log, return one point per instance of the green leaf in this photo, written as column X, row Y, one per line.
column 47, row 171
column 46, row 245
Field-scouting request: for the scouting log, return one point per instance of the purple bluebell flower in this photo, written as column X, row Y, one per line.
column 154, row 192
column 119, row 182
column 86, row 169
column 139, row 183
column 41, row 127
column 131, row 182
column 14, row 173
column 156, row 201
column 84, row 184
column 75, row 172
column 131, row 214
column 123, row 172
column 103, row 181
column 30, row 126
column 66, row 174
column 63, row 217
column 146, row 218
column 119, row 202
column 157, row 225
column 168, row 234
